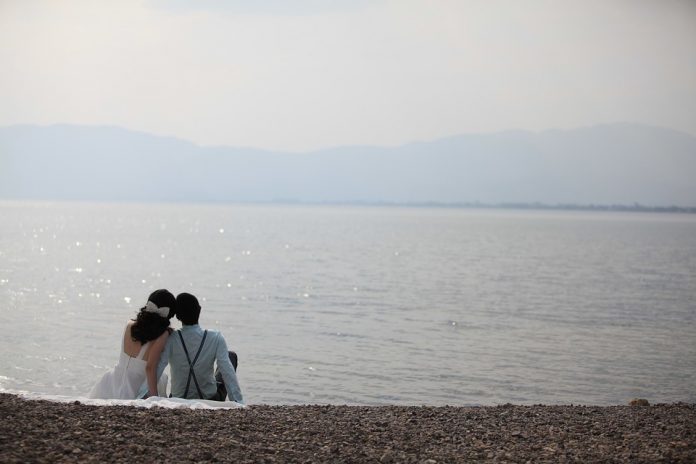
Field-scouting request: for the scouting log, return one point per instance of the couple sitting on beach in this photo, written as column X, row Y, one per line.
column 149, row 344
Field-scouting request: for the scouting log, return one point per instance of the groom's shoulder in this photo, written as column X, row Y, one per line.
column 172, row 334
column 211, row 332
column 214, row 333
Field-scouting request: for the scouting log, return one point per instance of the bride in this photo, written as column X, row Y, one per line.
column 141, row 347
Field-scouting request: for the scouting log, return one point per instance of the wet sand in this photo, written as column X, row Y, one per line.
column 41, row 431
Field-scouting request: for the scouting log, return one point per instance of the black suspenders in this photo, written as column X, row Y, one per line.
column 191, row 364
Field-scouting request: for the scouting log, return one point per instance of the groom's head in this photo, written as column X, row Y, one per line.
column 187, row 309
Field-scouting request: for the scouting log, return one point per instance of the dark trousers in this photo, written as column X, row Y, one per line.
column 221, row 394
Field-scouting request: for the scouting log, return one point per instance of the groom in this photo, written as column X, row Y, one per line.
column 191, row 352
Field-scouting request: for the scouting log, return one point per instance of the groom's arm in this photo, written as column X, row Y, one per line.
column 229, row 376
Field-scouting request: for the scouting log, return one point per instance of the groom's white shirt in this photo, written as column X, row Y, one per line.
column 214, row 351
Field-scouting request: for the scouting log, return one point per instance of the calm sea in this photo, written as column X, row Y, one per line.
column 363, row 305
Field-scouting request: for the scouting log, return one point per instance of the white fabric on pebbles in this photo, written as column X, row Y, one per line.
column 153, row 401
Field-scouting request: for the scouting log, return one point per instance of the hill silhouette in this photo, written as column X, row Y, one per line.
column 607, row 164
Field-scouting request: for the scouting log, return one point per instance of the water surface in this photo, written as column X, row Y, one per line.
column 363, row 305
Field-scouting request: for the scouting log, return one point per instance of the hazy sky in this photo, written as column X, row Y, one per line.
column 306, row 74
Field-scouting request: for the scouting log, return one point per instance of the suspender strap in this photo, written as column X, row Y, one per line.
column 191, row 364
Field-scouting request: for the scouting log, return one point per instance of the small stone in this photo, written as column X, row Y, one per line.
column 639, row 402
column 76, row 451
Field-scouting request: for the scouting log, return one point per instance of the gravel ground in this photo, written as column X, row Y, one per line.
column 41, row 431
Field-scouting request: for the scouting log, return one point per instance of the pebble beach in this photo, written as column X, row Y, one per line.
column 42, row 431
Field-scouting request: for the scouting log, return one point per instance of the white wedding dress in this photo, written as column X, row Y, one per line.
column 124, row 380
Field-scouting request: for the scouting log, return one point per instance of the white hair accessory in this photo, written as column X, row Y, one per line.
column 151, row 307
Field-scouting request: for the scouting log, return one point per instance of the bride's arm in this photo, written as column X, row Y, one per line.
column 152, row 362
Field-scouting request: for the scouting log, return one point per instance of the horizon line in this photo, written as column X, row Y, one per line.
column 510, row 205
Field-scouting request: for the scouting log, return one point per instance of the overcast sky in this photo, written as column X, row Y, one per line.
column 307, row 74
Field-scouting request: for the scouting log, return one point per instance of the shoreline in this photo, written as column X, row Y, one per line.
column 43, row 431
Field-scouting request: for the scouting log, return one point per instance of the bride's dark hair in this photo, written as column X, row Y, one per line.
column 150, row 325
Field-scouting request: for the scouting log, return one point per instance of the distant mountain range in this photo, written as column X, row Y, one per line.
column 607, row 164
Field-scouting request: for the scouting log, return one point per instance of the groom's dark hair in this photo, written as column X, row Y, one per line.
column 187, row 309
